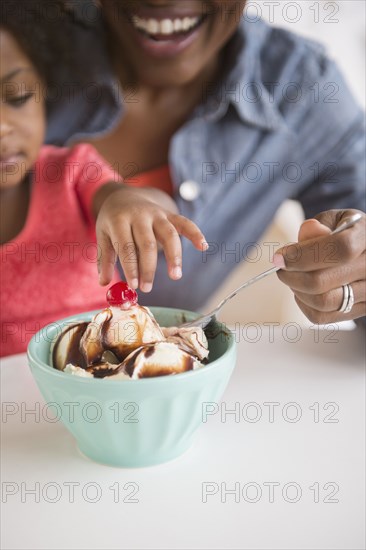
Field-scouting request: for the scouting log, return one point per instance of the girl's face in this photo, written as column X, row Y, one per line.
column 22, row 117
column 170, row 42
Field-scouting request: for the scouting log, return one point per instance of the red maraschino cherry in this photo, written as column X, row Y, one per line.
column 121, row 295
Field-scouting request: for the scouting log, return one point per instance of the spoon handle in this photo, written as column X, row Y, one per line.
column 244, row 285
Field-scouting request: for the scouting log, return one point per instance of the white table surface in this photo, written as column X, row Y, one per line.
column 169, row 512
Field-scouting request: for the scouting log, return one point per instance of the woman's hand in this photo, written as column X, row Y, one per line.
column 130, row 225
column 319, row 265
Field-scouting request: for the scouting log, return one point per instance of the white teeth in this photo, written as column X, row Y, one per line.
column 166, row 26
column 152, row 26
column 186, row 23
column 178, row 25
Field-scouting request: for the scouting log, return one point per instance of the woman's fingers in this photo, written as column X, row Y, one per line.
column 320, row 264
column 331, row 301
column 322, row 251
column 324, row 280
column 168, row 236
column 312, row 228
column 325, row 317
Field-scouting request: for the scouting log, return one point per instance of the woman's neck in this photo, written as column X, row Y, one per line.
column 14, row 205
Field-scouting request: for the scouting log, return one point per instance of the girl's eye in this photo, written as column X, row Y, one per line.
column 20, row 100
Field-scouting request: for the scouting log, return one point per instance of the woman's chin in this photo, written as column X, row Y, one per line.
column 178, row 76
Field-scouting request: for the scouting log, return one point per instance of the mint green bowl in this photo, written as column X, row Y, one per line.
column 133, row 423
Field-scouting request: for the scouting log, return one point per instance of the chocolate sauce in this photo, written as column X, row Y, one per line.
column 103, row 331
column 149, row 351
column 162, row 372
column 93, row 348
column 100, row 371
column 74, row 355
column 126, row 344
column 130, row 363
column 188, row 363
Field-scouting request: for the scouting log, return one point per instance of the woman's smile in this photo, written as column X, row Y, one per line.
column 171, row 42
column 168, row 31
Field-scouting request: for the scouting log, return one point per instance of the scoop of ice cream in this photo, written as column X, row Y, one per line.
column 66, row 348
column 119, row 331
column 121, row 328
column 160, row 359
column 191, row 339
column 66, row 351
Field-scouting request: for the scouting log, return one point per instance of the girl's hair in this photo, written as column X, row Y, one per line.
column 43, row 29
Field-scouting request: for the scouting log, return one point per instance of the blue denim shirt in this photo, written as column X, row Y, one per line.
column 282, row 124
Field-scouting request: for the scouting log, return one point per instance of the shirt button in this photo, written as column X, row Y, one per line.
column 189, row 190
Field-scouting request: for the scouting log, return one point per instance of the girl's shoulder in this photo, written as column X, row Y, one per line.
column 72, row 167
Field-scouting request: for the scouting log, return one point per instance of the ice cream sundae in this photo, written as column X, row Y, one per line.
column 124, row 341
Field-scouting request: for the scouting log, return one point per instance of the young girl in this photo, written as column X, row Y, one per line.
column 51, row 197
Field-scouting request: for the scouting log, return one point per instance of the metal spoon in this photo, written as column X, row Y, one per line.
column 204, row 320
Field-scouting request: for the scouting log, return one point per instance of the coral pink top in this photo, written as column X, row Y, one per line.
column 48, row 271
column 159, row 178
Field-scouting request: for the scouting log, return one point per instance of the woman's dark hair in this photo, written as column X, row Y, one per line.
column 43, row 29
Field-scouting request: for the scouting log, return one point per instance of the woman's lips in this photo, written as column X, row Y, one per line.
column 164, row 36
column 172, row 11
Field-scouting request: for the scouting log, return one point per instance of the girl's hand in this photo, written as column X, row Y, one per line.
column 318, row 265
column 130, row 226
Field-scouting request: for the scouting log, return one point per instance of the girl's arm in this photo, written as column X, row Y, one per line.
column 150, row 193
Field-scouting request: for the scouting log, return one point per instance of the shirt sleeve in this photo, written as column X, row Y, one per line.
column 90, row 174
column 333, row 138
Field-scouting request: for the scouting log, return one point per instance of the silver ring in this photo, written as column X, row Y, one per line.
column 345, row 298
column 351, row 300
column 348, row 299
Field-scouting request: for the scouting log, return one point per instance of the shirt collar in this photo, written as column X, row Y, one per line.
column 242, row 87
